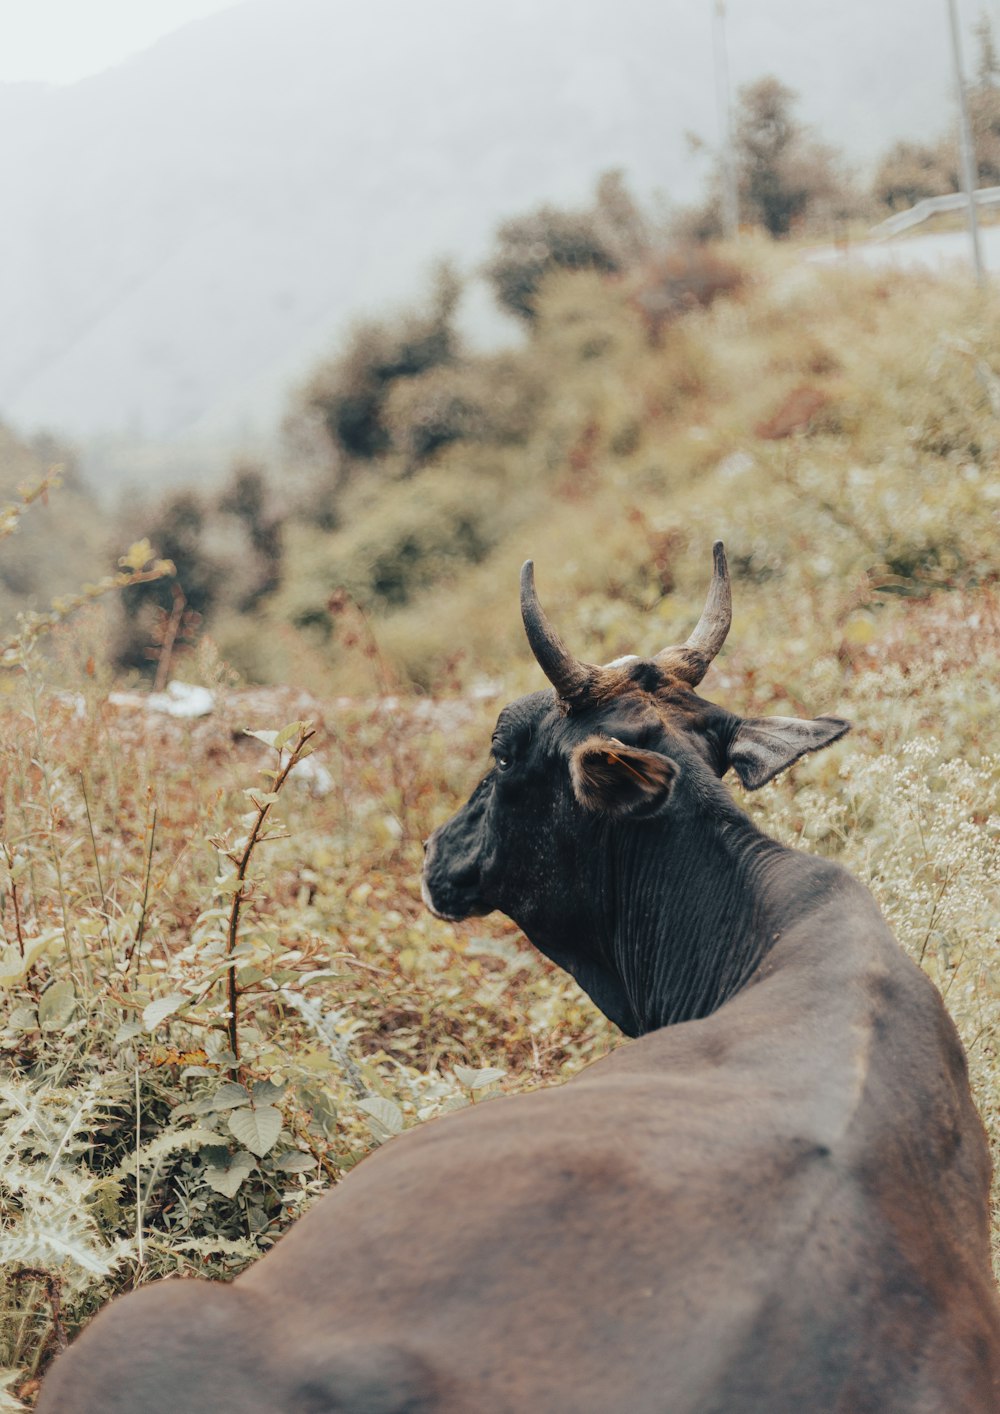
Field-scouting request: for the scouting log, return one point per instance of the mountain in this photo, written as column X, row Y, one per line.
column 189, row 230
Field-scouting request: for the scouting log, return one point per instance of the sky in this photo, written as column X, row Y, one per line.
column 63, row 41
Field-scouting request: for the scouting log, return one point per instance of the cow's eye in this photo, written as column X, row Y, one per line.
column 501, row 757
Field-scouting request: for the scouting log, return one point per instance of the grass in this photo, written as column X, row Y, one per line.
column 219, row 988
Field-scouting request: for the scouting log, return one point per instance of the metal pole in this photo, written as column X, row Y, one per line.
column 965, row 145
column 730, row 194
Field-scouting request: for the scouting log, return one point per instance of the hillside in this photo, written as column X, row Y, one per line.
column 836, row 428
column 192, row 228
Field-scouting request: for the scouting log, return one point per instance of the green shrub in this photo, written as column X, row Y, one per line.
column 529, row 248
column 347, row 396
column 489, row 400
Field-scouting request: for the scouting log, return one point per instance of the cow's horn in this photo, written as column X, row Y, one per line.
column 571, row 679
column 692, row 659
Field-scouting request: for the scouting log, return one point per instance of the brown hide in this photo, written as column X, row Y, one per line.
column 780, row 1208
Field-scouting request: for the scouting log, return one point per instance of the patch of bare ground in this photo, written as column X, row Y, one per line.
column 222, row 727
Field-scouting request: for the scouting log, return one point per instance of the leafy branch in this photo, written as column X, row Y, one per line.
column 296, row 738
column 138, row 566
column 12, row 513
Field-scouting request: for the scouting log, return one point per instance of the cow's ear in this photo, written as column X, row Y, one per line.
column 619, row 780
column 763, row 746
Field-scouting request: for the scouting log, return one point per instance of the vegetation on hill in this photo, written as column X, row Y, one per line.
column 827, row 422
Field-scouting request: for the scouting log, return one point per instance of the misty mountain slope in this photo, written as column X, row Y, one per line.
column 224, row 200
column 193, row 227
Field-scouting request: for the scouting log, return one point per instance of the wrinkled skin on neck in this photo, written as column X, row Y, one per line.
column 660, row 914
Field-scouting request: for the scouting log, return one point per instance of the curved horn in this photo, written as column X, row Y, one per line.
column 571, row 679
column 691, row 660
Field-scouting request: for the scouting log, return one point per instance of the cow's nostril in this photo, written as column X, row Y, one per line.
column 426, row 842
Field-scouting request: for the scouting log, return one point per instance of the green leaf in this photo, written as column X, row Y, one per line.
column 262, row 797
column 287, row 733
column 137, row 555
column 268, row 738
column 168, row 1141
column 281, row 976
column 258, row 1128
column 478, row 1079
column 229, row 1096
column 23, row 1018
column 14, row 968
column 295, row 1161
column 384, row 1117
column 158, row 1010
column 265, row 1092
column 209, row 1246
column 225, row 1172
column 128, row 1032
column 320, row 1103
column 56, row 1005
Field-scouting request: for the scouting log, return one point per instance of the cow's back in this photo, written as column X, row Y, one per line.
column 708, row 1221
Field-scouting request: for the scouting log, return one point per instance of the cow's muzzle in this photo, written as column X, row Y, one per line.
column 450, row 893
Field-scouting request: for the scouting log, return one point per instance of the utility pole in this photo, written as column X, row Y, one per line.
column 965, row 145
column 730, row 195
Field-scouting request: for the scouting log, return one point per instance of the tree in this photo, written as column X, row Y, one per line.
column 987, row 62
column 984, row 106
column 179, row 525
column 783, row 172
column 348, row 395
column 530, row 247
column 247, row 498
column 912, row 171
column 619, row 219
column 786, row 177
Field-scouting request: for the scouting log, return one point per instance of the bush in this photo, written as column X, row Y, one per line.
column 529, row 248
column 487, row 400
column 687, row 277
column 912, row 171
column 418, row 537
column 227, row 556
column 346, row 398
column 784, row 174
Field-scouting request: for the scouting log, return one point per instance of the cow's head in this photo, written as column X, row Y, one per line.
column 598, row 781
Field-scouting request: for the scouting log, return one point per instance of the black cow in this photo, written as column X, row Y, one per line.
column 775, row 1201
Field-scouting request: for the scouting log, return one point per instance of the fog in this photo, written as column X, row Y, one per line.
column 192, row 227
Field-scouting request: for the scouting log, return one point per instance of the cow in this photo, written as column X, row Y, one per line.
column 773, row 1200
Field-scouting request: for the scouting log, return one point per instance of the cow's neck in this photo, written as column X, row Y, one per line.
column 697, row 903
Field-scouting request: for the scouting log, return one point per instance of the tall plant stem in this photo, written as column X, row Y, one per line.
column 140, row 930
column 242, row 862
column 100, row 878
